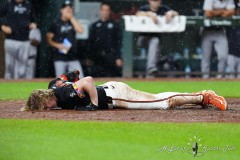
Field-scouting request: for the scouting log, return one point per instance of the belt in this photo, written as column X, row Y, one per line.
column 31, row 57
column 109, row 99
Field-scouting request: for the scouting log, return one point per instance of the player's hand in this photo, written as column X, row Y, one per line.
column 168, row 16
column 32, row 25
column 6, row 29
column 60, row 46
column 35, row 42
column 153, row 16
column 69, row 15
column 119, row 62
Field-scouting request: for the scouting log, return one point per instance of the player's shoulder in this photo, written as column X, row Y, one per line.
column 165, row 6
column 56, row 22
column 28, row 4
column 144, row 8
column 65, row 91
column 94, row 24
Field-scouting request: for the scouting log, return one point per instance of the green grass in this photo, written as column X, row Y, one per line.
column 53, row 140
column 12, row 91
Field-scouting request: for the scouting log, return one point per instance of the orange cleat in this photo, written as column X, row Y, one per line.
column 210, row 98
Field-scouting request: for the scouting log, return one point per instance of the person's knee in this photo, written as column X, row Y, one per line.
column 140, row 42
column 222, row 57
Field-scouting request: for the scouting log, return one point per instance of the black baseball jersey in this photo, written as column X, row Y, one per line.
column 233, row 35
column 18, row 16
column 161, row 10
column 69, row 99
column 105, row 36
column 64, row 30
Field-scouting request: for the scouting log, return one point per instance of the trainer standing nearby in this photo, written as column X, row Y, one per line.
column 105, row 44
column 18, row 18
column 61, row 36
column 216, row 36
column 151, row 41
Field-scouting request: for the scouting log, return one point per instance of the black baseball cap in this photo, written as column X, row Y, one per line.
column 67, row 3
column 52, row 84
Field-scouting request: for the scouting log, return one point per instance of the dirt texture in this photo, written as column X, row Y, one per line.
column 11, row 110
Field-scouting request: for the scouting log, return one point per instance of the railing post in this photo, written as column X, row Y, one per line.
column 127, row 53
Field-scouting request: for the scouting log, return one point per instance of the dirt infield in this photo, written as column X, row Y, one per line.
column 11, row 109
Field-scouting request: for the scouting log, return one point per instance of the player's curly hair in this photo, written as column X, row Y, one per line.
column 38, row 99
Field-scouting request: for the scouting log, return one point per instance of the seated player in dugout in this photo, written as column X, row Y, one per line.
column 67, row 92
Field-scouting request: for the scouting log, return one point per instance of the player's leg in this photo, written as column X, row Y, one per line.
column 10, row 52
column 169, row 99
column 207, row 50
column 75, row 65
column 232, row 65
column 31, row 64
column 60, row 67
column 153, row 53
column 142, row 41
column 21, row 63
column 221, row 47
column 123, row 91
column 204, row 98
column 238, row 67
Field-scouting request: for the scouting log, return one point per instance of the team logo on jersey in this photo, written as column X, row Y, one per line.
column 73, row 94
column 99, row 24
column 66, row 28
column 110, row 25
column 20, row 9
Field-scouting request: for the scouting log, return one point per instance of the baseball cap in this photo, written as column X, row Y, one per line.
column 67, row 3
column 52, row 84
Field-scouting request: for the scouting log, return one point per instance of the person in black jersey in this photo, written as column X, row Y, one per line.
column 105, row 44
column 61, row 36
column 83, row 95
column 17, row 19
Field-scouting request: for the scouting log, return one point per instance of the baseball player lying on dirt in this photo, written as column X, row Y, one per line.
column 67, row 92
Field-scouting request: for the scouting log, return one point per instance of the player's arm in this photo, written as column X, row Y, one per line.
column 220, row 12
column 52, row 43
column 3, row 11
column 228, row 12
column 118, row 41
column 6, row 29
column 170, row 14
column 87, row 85
column 77, row 26
column 150, row 14
column 209, row 11
column 146, row 13
column 72, row 76
column 33, row 24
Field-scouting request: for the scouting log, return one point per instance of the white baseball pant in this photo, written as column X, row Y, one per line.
column 123, row 91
